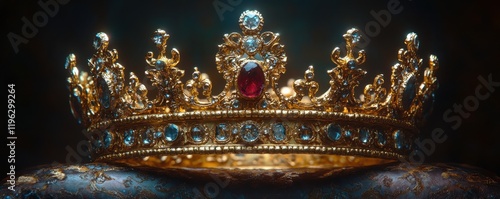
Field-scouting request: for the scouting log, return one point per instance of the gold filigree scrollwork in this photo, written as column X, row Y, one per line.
column 136, row 94
column 345, row 77
column 227, row 61
column 374, row 94
column 199, row 81
column 164, row 75
column 275, row 58
column 305, row 87
column 80, row 85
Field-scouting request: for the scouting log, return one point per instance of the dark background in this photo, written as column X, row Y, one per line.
column 463, row 35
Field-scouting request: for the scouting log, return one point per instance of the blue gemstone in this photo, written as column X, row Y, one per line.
column 409, row 92
column 97, row 144
column 427, row 107
column 160, row 65
column 279, row 132
column 235, row 131
column 355, row 37
column 158, row 134
column 381, row 138
column 333, row 132
column 158, row 39
column 221, row 132
column 128, row 139
column 251, row 20
column 399, row 139
column 147, row 137
column 108, row 138
column 264, row 104
column 305, row 133
column 197, row 133
column 364, row 136
column 347, row 133
column 250, row 44
column 171, row 132
column 236, row 104
column 249, row 133
column 351, row 64
column 105, row 98
column 76, row 107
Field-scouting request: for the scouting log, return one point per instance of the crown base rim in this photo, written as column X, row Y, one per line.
column 249, row 157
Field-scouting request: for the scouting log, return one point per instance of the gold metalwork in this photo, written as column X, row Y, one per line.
column 186, row 125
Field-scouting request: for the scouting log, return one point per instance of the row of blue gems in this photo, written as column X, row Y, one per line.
column 147, row 137
column 249, row 132
column 334, row 132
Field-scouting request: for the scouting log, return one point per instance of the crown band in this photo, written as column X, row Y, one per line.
column 252, row 122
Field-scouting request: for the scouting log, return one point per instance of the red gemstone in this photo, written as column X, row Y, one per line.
column 251, row 80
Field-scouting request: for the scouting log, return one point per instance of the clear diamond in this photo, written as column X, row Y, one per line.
column 279, row 132
column 251, row 20
column 101, row 40
column 249, row 133
column 250, row 43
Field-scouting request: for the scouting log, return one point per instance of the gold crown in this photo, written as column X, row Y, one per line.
column 252, row 122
